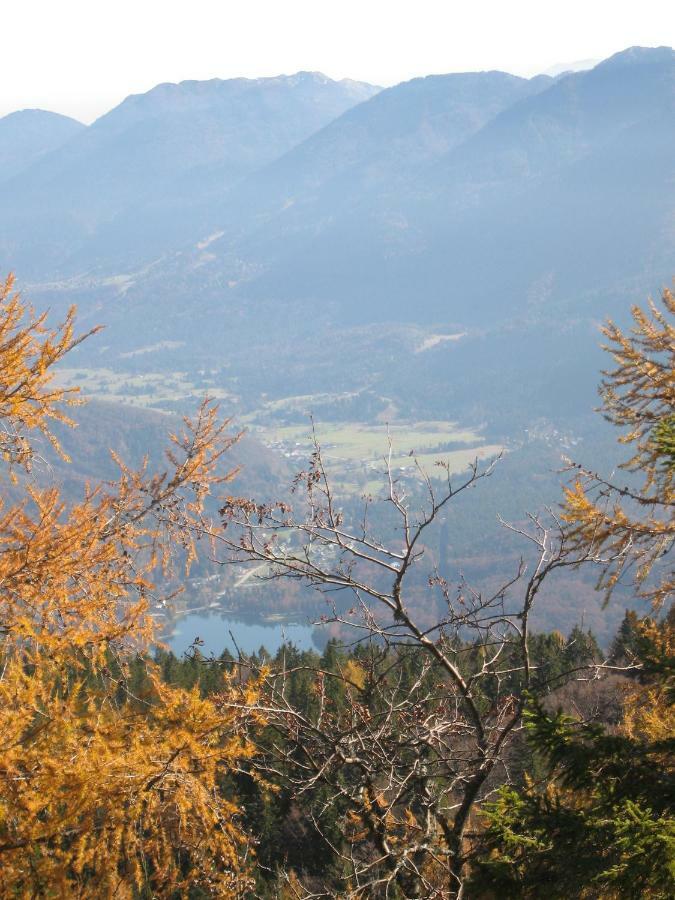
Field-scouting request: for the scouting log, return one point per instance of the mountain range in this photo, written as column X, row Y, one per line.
column 246, row 226
column 152, row 152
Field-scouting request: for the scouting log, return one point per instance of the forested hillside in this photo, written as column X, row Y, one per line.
column 444, row 747
column 115, row 193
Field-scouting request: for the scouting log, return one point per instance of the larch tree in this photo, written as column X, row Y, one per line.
column 103, row 793
column 635, row 526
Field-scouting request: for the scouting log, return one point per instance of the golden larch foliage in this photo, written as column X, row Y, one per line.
column 648, row 709
column 630, row 530
column 102, row 793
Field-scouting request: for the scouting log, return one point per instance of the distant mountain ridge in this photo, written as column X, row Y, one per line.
column 28, row 134
column 422, row 226
column 153, row 145
column 516, row 213
column 372, row 148
column 579, row 65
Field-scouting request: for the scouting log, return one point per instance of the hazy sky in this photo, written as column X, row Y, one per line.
column 82, row 57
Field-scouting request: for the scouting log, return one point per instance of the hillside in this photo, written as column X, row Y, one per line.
column 29, row 134
column 444, row 249
column 141, row 162
column 132, row 433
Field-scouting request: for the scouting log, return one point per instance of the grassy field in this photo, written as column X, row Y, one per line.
column 355, row 452
column 149, row 389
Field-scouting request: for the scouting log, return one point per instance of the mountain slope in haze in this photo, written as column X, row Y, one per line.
column 458, row 243
column 517, row 224
column 564, row 192
column 368, row 153
column 372, row 146
column 29, row 134
column 146, row 148
column 575, row 115
column 377, row 144
column 134, row 432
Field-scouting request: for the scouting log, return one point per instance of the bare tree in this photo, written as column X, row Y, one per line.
column 425, row 733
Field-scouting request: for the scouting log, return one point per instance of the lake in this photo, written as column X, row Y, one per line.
column 217, row 631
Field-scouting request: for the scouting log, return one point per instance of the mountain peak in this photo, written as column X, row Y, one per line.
column 304, row 79
column 639, row 56
column 311, row 77
column 191, row 93
column 28, row 134
column 37, row 115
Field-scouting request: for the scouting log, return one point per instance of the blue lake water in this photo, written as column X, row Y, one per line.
column 217, row 633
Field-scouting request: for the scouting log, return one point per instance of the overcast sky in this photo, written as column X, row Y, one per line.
column 81, row 57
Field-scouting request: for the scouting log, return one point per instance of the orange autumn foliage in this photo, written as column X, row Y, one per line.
column 102, row 793
column 28, row 397
column 648, row 709
column 631, row 529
